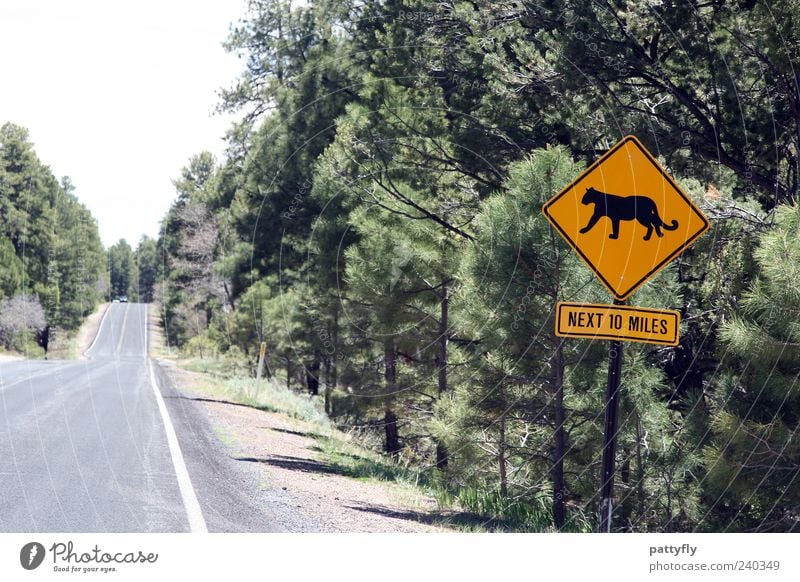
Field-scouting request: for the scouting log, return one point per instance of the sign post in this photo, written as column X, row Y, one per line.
column 262, row 351
column 627, row 219
column 610, row 434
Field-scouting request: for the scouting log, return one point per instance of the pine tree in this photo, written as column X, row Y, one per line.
column 147, row 262
column 513, row 275
column 753, row 462
column 390, row 170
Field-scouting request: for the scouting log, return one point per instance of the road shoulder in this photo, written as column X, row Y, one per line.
column 228, row 492
column 293, row 473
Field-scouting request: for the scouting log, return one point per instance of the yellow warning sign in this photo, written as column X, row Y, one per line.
column 626, row 217
column 636, row 324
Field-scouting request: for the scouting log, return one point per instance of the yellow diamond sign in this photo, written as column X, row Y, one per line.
column 626, row 217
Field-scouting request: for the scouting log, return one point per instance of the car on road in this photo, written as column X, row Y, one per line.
column 123, row 299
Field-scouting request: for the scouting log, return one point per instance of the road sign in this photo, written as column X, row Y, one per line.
column 626, row 217
column 636, row 324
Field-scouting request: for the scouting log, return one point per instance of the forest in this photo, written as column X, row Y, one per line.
column 54, row 270
column 376, row 221
column 52, row 263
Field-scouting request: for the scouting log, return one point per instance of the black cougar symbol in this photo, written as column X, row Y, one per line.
column 618, row 208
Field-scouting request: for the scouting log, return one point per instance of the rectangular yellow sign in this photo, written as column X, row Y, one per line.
column 636, row 324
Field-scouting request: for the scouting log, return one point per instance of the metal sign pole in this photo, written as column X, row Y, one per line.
column 610, row 436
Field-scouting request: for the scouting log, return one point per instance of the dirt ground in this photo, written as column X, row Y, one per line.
column 283, row 449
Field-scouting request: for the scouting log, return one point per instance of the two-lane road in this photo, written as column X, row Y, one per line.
column 83, row 445
column 108, row 444
column 122, row 333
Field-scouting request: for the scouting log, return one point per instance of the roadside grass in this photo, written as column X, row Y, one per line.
column 468, row 508
column 506, row 513
column 156, row 343
column 64, row 344
column 219, row 367
column 342, row 451
column 65, row 347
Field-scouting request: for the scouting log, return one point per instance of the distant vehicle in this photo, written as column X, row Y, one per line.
column 115, row 300
column 124, row 299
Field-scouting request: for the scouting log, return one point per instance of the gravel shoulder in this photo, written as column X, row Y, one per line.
column 308, row 492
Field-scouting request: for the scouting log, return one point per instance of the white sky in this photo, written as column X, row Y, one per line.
column 118, row 96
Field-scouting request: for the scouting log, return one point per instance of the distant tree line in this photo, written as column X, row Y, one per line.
column 53, row 268
column 52, row 263
column 132, row 272
column 376, row 221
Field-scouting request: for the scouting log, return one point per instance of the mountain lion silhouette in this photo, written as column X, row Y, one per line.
column 618, row 208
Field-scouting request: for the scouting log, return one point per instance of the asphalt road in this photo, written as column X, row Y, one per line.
column 91, row 446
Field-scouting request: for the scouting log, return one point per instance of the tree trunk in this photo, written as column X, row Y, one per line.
column 639, row 469
column 441, row 455
column 288, row 374
column 390, row 418
column 267, row 368
column 626, row 507
column 326, row 365
column 312, row 376
column 392, row 434
column 501, row 456
column 441, row 450
column 44, row 339
column 668, row 521
column 559, row 438
column 330, row 376
column 625, row 469
column 228, row 296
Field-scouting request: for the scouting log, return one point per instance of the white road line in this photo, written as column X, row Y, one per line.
column 197, row 524
column 122, row 331
column 99, row 329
